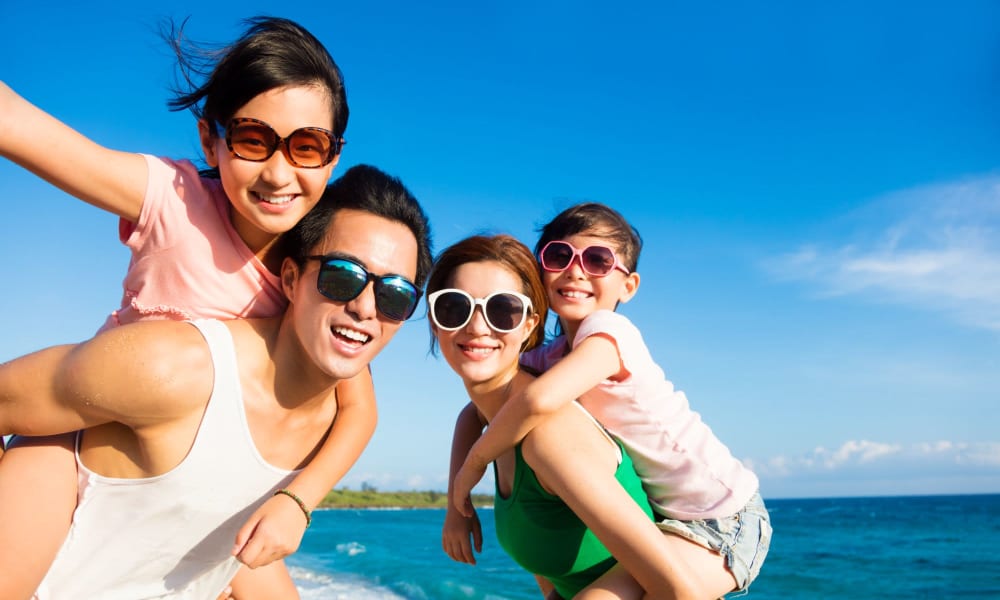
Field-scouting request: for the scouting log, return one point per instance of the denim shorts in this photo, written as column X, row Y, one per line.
column 743, row 538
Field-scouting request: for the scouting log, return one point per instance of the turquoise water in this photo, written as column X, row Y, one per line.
column 905, row 547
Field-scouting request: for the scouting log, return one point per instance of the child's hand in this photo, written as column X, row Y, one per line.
column 455, row 536
column 466, row 479
column 271, row 533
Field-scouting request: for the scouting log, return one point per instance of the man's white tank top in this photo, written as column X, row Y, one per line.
column 170, row 536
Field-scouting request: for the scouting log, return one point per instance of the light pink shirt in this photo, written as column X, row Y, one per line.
column 686, row 471
column 187, row 259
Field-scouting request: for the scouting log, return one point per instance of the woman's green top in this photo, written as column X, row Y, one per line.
column 541, row 533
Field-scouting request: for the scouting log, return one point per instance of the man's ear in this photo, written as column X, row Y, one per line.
column 208, row 140
column 629, row 287
column 289, row 277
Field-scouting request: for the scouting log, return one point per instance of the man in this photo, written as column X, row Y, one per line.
column 188, row 428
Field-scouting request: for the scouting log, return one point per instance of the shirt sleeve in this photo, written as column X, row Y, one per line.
column 164, row 211
column 631, row 349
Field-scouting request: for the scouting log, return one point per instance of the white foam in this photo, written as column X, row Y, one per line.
column 351, row 548
column 318, row 586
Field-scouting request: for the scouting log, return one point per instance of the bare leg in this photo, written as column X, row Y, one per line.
column 714, row 579
column 38, row 488
column 653, row 564
column 263, row 583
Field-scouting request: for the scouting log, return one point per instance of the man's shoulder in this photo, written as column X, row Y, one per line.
column 157, row 348
column 141, row 373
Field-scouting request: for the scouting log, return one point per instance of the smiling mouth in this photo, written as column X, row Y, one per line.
column 480, row 350
column 574, row 294
column 351, row 335
column 276, row 200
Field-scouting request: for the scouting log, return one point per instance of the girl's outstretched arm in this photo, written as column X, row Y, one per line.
column 111, row 180
column 591, row 362
column 275, row 530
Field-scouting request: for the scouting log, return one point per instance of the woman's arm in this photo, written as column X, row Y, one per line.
column 460, row 533
column 591, row 362
column 275, row 530
column 111, row 180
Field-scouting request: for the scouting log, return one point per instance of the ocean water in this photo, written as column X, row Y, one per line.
column 936, row 547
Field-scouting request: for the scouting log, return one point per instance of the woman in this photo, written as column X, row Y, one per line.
column 567, row 498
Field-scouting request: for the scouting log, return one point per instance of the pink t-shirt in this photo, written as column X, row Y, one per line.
column 686, row 471
column 188, row 261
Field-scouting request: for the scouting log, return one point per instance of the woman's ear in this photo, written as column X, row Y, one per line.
column 531, row 323
column 208, row 140
column 289, row 277
column 532, row 320
column 629, row 287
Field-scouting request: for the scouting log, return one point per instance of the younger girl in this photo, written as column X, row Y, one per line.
column 706, row 502
column 271, row 114
column 567, row 494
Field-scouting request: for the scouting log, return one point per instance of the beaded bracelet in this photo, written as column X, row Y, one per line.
column 302, row 505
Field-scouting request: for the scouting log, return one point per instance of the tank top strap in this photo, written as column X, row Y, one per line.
column 224, row 417
column 604, row 432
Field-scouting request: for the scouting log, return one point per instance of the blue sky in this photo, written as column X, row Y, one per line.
column 818, row 188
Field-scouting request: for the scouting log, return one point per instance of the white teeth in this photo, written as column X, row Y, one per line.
column 285, row 199
column 351, row 334
column 478, row 350
column 575, row 294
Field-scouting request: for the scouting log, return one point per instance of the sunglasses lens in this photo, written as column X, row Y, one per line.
column 451, row 310
column 395, row 297
column 341, row 280
column 310, row 147
column 598, row 260
column 253, row 141
column 556, row 256
column 505, row 312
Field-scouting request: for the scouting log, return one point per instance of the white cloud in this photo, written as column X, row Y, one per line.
column 863, row 455
column 986, row 455
column 861, row 451
column 855, row 467
column 935, row 247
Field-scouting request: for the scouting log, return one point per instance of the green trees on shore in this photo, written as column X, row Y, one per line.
column 369, row 497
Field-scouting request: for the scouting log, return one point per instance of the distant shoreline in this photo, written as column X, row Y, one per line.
column 395, row 500
column 434, row 499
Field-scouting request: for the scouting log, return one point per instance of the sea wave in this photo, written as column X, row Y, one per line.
column 319, row 586
column 351, row 548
